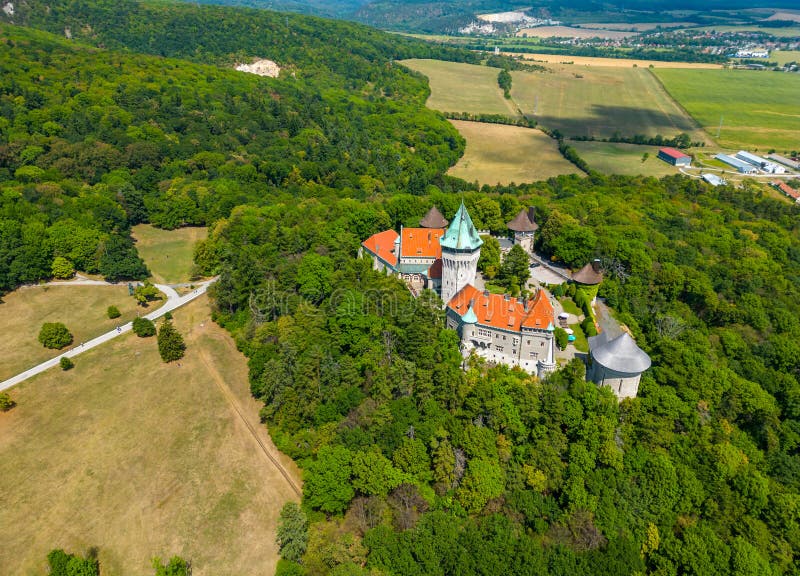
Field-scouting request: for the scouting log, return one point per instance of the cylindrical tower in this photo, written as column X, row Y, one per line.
column 461, row 249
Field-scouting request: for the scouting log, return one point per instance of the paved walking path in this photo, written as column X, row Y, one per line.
column 173, row 302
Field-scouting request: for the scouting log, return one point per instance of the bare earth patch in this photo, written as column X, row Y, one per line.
column 142, row 458
column 261, row 67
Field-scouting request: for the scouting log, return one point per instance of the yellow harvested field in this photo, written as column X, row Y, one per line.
column 81, row 308
column 457, row 87
column 794, row 16
column 570, row 32
column 610, row 62
column 500, row 154
column 140, row 459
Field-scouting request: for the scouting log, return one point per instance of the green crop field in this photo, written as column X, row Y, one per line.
column 140, row 458
column 759, row 110
column 503, row 154
column 168, row 253
column 457, row 87
column 784, row 56
column 614, row 158
column 599, row 101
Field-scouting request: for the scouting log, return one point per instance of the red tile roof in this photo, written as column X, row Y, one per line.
column 495, row 311
column 421, row 242
column 786, row 189
column 382, row 245
column 673, row 152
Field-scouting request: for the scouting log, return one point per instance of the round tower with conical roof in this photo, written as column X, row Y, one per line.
column 461, row 248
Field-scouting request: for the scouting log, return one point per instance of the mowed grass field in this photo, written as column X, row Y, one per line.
column 457, row 87
column 141, row 458
column 168, row 253
column 784, row 56
column 617, row 158
column 759, row 110
column 502, row 154
column 599, row 101
column 81, row 308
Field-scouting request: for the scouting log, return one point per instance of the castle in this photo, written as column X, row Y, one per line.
column 443, row 256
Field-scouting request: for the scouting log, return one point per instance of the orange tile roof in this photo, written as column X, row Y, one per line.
column 382, row 245
column 495, row 311
column 786, row 189
column 421, row 243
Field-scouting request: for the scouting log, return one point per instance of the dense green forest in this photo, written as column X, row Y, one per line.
column 93, row 141
column 415, row 467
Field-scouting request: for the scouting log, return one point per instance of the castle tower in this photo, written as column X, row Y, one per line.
column 524, row 227
column 547, row 364
column 461, row 248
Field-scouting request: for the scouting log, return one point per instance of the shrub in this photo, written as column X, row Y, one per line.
column 562, row 338
column 113, row 312
column 588, row 327
column 6, row 403
column 66, row 363
column 62, row 268
column 54, row 335
column 144, row 328
column 170, row 343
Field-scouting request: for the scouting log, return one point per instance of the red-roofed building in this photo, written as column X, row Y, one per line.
column 504, row 329
column 788, row 190
column 674, row 157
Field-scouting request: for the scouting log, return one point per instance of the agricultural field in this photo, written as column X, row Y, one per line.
column 610, row 62
column 457, row 87
column 598, row 102
column 168, row 253
column 637, row 26
column 784, row 56
column 502, row 154
column 628, row 159
column 141, row 458
column 791, row 32
column 570, row 32
column 81, row 308
column 758, row 109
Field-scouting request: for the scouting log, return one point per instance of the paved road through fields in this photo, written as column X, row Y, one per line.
column 174, row 301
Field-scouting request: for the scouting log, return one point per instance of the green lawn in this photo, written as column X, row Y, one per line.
column 614, row 158
column 599, row 101
column 569, row 306
column 457, row 87
column 168, row 253
column 499, row 154
column 759, row 110
column 581, row 343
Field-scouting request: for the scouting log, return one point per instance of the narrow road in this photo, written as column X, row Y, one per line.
column 174, row 301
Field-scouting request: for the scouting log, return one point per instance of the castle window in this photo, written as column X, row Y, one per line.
column 499, row 348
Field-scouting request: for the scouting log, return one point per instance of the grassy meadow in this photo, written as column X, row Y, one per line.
column 599, row 101
column 502, row 154
column 784, row 56
column 141, row 458
column 168, row 253
column 81, row 308
column 617, row 158
column 457, row 87
column 759, row 109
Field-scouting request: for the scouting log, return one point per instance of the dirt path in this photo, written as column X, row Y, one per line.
column 257, row 431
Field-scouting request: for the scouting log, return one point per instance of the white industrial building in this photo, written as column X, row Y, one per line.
column 761, row 163
column 740, row 165
column 713, row 179
column 784, row 160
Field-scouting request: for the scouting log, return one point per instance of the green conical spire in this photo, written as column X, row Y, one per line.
column 461, row 235
column 469, row 316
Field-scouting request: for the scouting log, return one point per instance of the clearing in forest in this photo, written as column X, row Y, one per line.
column 141, row 458
column 758, row 109
column 628, row 159
column 500, row 154
column 457, row 87
column 168, row 253
column 592, row 101
column 83, row 309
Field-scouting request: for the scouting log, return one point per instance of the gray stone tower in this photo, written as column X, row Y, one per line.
column 461, row 248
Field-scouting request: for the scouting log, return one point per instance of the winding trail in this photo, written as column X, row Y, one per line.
column 174, row 301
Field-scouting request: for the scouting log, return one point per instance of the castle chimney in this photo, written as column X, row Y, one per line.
column 486, row 293
column 532, row 214
column 471, row 302
column 596, row 264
